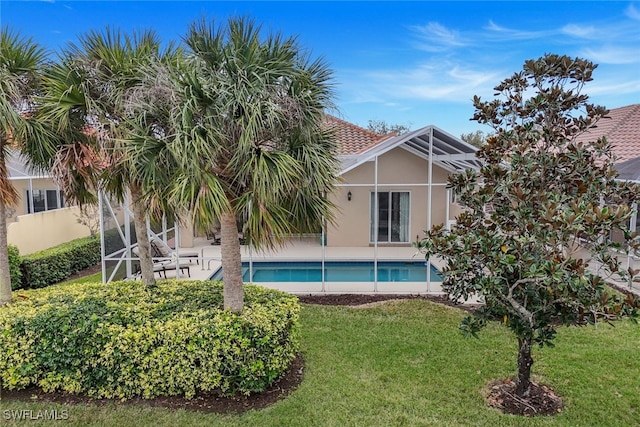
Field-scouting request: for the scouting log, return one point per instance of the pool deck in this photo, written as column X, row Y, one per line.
column 311, row 250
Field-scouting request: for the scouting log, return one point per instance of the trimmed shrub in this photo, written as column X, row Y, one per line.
column 122, row 340
column 54, row 265
column 14, row 267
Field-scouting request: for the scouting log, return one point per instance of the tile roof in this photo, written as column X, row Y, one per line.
column 622, row 130
column 353, row 139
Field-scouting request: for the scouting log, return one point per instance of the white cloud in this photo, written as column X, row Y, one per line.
column 622, row 87
column 513, row 34
column 632, row 12
column 612, row 55
column 579, row 31
column 437, row 37
column 453, row 65
column 447, row 82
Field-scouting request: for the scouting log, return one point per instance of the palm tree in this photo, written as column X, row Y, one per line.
column 246, row 140
column 21, row 60
column 86, row 97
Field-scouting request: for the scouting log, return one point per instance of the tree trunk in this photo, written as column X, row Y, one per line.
column 231, row 263
column 5, row 276
column 144, row 248
column 523, row 383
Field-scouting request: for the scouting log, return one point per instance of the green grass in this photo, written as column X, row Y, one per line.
column 406, row 364
column 92, row 278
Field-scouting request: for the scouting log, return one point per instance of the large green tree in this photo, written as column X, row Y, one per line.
column 245, row 139
column 87, row 101
column 534, row 238
column 381, row 127
column 476, row 138
column 21, row 61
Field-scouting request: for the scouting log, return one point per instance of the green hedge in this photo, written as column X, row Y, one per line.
column 14, row 266
column 54, row 265
column 122, row 340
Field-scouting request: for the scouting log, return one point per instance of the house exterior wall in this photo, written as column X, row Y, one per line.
column 398, row 169
column 22, row 186
column 35, row 232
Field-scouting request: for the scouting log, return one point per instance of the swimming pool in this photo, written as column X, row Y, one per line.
column 335, row 271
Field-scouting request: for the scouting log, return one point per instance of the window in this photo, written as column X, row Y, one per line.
column 44, row 200
column 393, row 217
column 453, row 197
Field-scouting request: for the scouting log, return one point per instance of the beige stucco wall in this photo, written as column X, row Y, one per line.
column 21, row 186
column 42, row 230
column 398, row 166
column 187, row 233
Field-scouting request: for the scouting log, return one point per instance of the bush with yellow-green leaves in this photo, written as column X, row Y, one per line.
column 121, row 340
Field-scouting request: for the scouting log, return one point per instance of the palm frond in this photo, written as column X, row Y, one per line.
column 21, row 60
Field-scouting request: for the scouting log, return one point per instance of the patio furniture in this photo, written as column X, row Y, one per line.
column 216, row 238
column 162, row 267
column 162, row 250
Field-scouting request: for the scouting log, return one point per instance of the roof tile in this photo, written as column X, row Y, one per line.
column 622, row 130
column 353, row 139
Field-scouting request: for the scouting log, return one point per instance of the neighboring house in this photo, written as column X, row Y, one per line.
column 38, row 192
column 41, row 218
column 394, row 187
column 622, row 130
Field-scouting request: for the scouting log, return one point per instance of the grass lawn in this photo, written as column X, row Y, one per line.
column 406, row 364
column 91, row 278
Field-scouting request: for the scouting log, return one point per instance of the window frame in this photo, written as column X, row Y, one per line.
column 372, row 217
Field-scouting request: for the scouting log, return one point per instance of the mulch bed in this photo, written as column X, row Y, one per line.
column 204, row 402
column 360, row 299
column 500, row 394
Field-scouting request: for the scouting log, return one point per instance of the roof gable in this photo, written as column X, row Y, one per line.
column 353, row 139
column 447, row 151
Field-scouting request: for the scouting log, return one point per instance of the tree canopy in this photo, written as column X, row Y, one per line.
column 86, row 100
column 381, row 127
column 21, row 62
column 240, row 138
column 534, row 238
column 477, row 138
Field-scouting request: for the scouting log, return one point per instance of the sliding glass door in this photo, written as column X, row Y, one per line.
column 393, row 217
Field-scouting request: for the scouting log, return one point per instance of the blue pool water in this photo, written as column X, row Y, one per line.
column 336, row 271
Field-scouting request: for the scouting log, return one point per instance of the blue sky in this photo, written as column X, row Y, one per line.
column 414, row 63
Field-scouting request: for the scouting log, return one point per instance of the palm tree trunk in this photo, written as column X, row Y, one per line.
column 231, row 263
column 144, row 248
column 523, row 383
column 5, row 276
